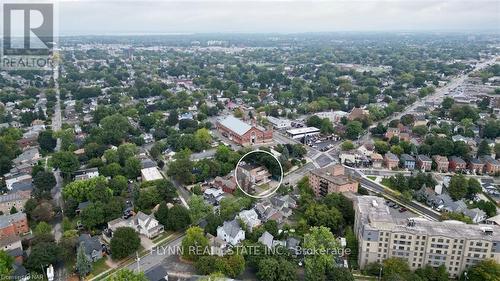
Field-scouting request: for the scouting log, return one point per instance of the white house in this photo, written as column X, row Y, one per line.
column 231, row 232
column 250, row 219
column 147, row 225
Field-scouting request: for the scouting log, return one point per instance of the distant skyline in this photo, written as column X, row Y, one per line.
column 110, row 17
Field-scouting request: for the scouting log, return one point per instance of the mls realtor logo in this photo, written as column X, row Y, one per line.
column 28, row 36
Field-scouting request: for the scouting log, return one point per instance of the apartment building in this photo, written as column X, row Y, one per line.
column 331, row 179
column 455, row 245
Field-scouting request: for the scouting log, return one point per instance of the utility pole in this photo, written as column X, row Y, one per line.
column 138, row 260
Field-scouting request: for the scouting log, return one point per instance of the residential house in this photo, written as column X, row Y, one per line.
column 441, row 163
column 16, row 199
column 407, row 161
column 92, row 246
column 86, row 174
column 357, row 113
column 217, row 246
column 227, row 185
column 424, row 163
column 456, row 164
column 11, row 180
column 231, row 232
column 266, row 239
column 250, row 219
column 391, row 160
column 29, row 156
column 144, row 224
column 377, row 160
column 492, row 166
column 391, row 132
column 476, row 166
column 14, row 224
column 147, row 225
column 476, row 215
column 13, row 246
column 213, row 195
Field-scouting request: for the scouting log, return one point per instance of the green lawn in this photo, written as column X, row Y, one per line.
column 385, row 181
column 371, row 177
column 99, row 266
column 161, row 236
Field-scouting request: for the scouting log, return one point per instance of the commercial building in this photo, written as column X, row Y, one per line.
column 243, row 133
column 420, row 242
column 331, row 179
column 279, row 123
column 151, row 174
column 302, row 132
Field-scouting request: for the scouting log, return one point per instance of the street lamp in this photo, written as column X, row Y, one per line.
column 380, row 274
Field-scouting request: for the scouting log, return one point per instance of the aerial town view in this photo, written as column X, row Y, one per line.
column 149, row 140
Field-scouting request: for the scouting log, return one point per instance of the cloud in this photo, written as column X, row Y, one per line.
column 206, row 16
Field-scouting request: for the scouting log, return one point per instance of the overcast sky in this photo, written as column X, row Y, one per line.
column 105, row 17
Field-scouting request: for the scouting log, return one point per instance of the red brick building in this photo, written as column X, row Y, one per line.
column 227, row 185
column 391, row 160
column 14, row 224
column 441, row 163
column 243, row 133
column 491, row 165
column 457, row 164
column 424, row 162
column 476, row 166
column 331, row 179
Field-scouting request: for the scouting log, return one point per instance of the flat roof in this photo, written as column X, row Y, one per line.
column 151, row 174
column 305, row 130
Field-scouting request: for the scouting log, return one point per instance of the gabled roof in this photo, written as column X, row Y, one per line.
column 89, row 243
column 235, row 125
column 231, row 228
column 267, row 239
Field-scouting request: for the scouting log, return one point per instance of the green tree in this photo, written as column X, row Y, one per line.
column 47, row 141
column 66, row 161
column 6, row 263
column 271, row 269
column 43, row 183
column 178, row 218
column 339, row 274
column 83, row 263
column 353, row 130
column 198, row 209
column 458, row 187
column 43, row 254
column 347, row 145
column 125, row 241
column 483, row 148
column 432, row 274
column 127, row 275
column 396, row 269
column 132, row 168
column 323, row 242
column 486, row 270
column 194, row 244
column 93, row 215
column 114, row 129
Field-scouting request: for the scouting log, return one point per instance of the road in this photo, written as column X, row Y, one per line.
column 375, row 187
column 437, row 97
column 60, row 270
column 158, row 255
